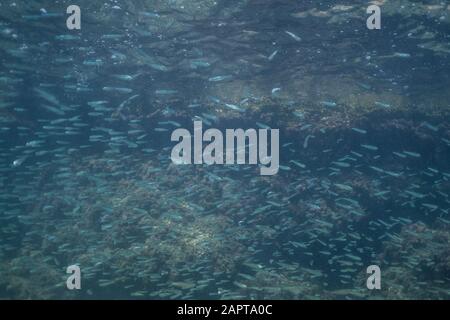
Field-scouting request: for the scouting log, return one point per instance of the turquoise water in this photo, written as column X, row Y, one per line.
column 87, row 179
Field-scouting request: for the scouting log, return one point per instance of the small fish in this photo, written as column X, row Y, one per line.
column 306, row 141
column 412, row 154
column 219, row 78
column 399, row 154
column 343, row 187
column 273, row 55
column 382, row 104
column 359, row 130
column 429, row 126
column 293, row 36
column 298, row 164
column 67, row 37
column 369, row 147
column 275, row 90
column 262, row 125
column 402, row 55
column 126, row 77
column 234, row 107
column 195, row 64
column 329, row 104
column 112, row 36
column 165, row 92
column 117, row 89
column 18, row 162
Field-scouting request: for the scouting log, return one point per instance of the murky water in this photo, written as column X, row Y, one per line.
column 87, row 177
